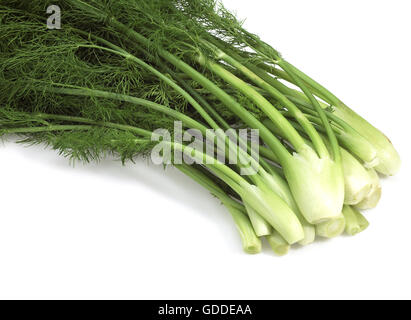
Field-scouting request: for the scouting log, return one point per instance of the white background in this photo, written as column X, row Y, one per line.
column 137, row 232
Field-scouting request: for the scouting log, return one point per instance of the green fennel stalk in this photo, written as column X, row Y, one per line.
column 120, row 70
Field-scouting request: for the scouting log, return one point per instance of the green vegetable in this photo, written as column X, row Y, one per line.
column 388, row 160
column 373, row 197
column 355, row 221
column 119, row 74
column 278, row 244
column 331, row 228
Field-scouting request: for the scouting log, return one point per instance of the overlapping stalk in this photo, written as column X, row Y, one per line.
column 119, row 70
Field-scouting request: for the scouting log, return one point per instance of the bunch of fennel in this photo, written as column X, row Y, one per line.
column 119, row 70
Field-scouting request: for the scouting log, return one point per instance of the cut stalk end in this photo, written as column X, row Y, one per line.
column 251, row 243
column 309, row 235
column 371, row 200
column 332, row 228
column 278, row 244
